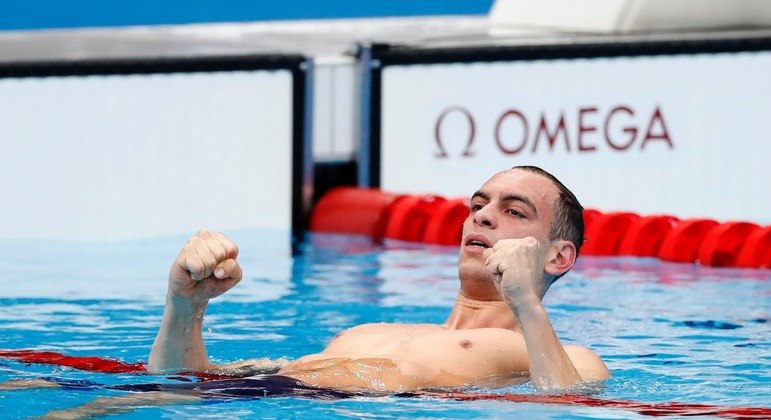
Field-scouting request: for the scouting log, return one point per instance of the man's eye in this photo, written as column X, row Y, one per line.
column 475, row 207
column 515, row 213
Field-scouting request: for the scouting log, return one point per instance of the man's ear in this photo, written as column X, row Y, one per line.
column 562, row 256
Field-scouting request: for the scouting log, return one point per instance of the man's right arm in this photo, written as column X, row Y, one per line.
column 205, row 268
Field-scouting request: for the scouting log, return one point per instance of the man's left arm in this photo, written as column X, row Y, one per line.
column 517, row 270
column 552, row 365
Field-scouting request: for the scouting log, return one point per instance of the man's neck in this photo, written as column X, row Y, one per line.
column 472, row 313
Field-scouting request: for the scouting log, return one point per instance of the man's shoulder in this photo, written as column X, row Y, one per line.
column 580, row 351
column 588, row 364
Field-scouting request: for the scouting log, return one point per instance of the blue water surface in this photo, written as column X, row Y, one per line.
column 668, row 332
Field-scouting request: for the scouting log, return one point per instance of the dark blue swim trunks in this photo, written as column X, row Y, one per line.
column 251, row 387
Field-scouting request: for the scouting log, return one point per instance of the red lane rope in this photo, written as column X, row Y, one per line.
column 435, row 219
column 648, row 409
column 99, row 364
column 91, row 364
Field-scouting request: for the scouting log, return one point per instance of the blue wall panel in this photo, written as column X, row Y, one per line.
column 46, row 14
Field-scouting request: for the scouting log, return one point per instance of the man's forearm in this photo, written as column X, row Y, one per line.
column 550, row 366
column 179, row 345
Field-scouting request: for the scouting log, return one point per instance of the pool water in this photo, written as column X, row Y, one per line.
column 668, row 332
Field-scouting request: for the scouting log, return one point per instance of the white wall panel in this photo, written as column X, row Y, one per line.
column 335, row 109
column 705, row 118
column 127, row 156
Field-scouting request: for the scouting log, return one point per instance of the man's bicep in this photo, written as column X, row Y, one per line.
column 587, row 363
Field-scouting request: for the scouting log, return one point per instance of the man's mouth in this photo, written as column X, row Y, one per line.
column 478, row 241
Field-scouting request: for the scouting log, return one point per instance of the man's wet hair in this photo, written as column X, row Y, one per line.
column 568, row 223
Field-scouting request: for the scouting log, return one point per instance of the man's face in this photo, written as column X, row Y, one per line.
column 512, row 204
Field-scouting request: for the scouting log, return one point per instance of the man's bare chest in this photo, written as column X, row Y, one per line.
column 423, row 356
column 417, row 342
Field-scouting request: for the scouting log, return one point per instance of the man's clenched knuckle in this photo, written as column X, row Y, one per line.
column 195, row 266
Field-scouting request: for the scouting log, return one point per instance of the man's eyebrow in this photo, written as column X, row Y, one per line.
column 481, row 194
column 522, row 199
column 507, row 198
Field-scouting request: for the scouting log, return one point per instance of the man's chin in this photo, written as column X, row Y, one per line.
column 472, row 269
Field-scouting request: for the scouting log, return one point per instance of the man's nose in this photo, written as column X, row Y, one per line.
column 485, row 217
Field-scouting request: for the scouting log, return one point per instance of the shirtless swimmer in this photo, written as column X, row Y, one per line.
column 523, row 232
